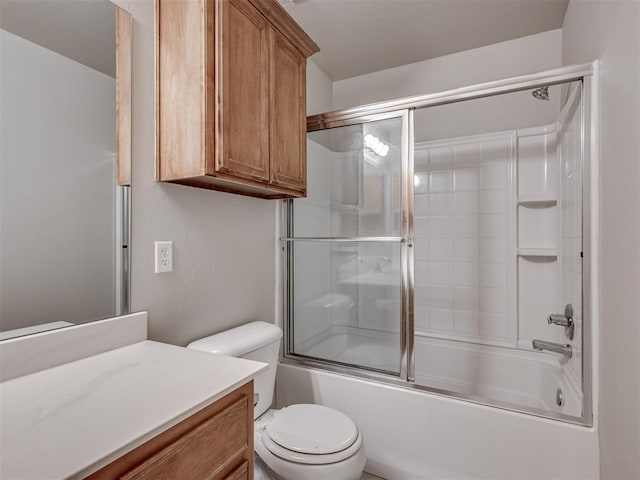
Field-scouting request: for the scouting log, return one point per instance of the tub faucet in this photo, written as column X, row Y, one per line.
column 541, row 345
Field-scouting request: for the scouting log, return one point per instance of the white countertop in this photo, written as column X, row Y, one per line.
column 68, row 421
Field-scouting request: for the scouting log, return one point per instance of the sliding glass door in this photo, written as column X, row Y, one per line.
column 346, row 247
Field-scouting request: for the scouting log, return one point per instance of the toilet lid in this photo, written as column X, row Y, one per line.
column 312, row 429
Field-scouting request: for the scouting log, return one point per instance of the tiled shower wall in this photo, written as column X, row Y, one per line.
column 464, row 247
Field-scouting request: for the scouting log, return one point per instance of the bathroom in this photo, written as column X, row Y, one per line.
column 228, row 266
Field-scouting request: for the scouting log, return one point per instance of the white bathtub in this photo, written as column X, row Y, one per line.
column 412, row 434
column 523, row 378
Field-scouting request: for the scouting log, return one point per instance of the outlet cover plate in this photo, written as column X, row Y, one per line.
column 163, row 256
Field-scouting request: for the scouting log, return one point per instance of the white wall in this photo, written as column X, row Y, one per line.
column 224, row 244
column 610, row 31
column 225, row 252
column 515, row 57
column 57, row 187
column 319, row 90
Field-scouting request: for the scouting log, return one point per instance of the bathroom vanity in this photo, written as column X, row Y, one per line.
column 143, row 410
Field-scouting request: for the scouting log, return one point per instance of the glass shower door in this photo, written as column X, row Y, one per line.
column 498, row 250
column 346, row 248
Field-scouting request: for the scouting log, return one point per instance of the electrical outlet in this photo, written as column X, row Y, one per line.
column 164, row 257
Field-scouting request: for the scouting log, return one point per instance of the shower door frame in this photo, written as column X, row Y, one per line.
column 584, row 73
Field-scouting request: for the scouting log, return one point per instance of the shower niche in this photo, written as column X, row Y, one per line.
column 439, row 235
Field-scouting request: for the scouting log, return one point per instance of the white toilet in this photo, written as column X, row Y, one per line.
column 299, row 442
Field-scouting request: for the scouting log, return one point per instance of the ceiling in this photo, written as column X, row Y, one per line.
column 363, row 36
column 83, row 30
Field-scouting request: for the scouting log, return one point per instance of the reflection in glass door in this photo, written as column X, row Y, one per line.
column 345, row 247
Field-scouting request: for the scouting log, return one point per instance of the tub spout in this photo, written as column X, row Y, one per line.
column 541, row 345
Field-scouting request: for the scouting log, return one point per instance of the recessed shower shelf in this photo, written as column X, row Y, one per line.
column 537, row 252
column 537, row 200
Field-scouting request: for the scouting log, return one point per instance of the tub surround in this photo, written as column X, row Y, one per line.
column 70, row 420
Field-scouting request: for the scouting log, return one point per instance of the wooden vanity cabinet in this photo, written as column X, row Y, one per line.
column 215, row 443
column 231, row 96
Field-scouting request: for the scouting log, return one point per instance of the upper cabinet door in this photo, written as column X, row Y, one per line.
column 244, row 144
column 288, row 114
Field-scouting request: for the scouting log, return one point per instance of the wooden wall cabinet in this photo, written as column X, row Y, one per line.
column 231, row 96
column 215, row 443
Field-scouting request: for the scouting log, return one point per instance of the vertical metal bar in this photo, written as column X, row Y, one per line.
column 410, row 248
column 588, row 206
column 406, row 220
column 125, row 250
column 290, row 268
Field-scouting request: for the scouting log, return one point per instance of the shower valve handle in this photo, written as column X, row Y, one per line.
column 559, row 319
column 563, row 319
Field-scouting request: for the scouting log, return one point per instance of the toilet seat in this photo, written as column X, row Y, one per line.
column 312, row 435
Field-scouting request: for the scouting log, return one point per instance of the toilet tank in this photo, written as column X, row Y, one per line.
column 258, row 341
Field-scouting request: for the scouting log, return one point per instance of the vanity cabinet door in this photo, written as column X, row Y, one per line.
column 288, row 147
column 215, row 443
column 245, row 92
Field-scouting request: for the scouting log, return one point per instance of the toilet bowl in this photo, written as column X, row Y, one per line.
column 309, row 442
column 298, row 442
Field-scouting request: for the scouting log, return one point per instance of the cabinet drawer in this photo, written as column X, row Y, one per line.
column 240, row 473
column 215, row 443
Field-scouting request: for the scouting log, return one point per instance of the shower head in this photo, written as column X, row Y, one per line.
column 541, row 93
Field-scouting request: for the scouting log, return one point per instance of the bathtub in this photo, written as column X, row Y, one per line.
column 519, row 377
column 413, row 434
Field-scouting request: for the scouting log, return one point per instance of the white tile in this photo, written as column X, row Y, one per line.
column 420, row 183
column 493, row 177
column 421, row 160
column 496, row 151
column 466, row 321
column 493, row 226
column 440, row 249
column 440, row 227
column 421, row 317
column 466, row 274
column 467, row 226
column 421, row 249
column 467, row 155
column 421, row 269
column 440, row 204
column 466, row 179
column 466, row 250
column 493, row 201
column 421, row 295
column 441, row 319
column 493, row 325
column 441, row 181
column 440, row 297
column 466, row 298
column 493, row 251
column 421, row 205
column 440, row 273
column 466, row 203
column 493, row 300
column 493, row 275
column 441, row 158
column 421, row 227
